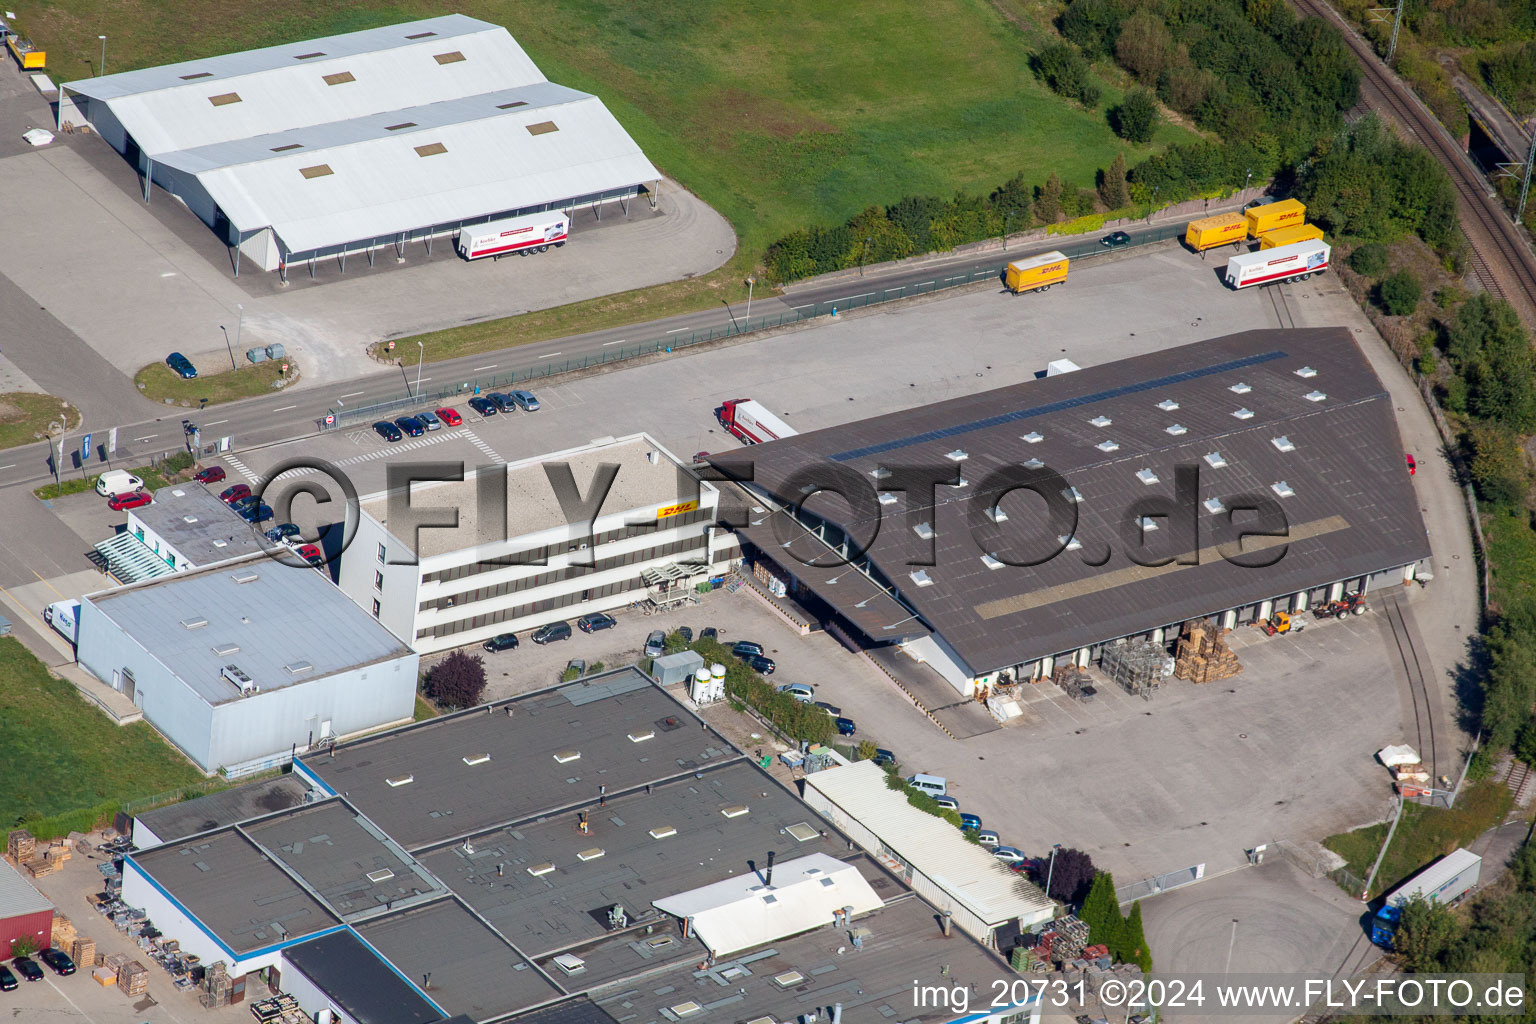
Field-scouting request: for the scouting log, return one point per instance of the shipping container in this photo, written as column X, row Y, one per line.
column 1299, row 259
column 1037, row 273
column 1220, row 229
column 28, row 56
column 1284, row 214
column 1443, row 882
column 1291, row 235
column 522, row 235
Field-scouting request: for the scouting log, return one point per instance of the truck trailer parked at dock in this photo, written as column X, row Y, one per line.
column 1037, row 273
column 1273, row 216
column 1219, row 229
column 1299, row 260
column 750, row 421
column 522, row 235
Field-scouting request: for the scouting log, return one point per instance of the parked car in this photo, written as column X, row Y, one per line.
column 181, row 366
column 388, row 431
column 699, row 458
column 133, row 499
column 686, row 633
column 281, row 532
column 548, row 634
column 243, row 502
column 211, row 475
column 986, row 837
column 230, row 495
column 970, row 823
column 311, row 553
column 1008, row 854
column 743, row 648
column 656, row 644
column 884, row 758
column 709, row 633
column 256, row 512
column 501, row 642
column 429, row 420
column 450, row 416
column 483, row 406
column 1261, row 201
column 845, row 727
column 58, row 960
column 947, row 802
column 28, row 968
column 525, row 400
column 1115, row 240
column 411, row 425
column 760, row 663
column 831, row 709
column 577, row 665
column 8, row 982
column 1413, row 466
column 802, row 692
column 594, row 621
column 502, row 402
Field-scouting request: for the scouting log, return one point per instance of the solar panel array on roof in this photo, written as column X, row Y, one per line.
column 1008, row 577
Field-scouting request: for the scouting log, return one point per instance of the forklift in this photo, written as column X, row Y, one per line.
column 1278, row 623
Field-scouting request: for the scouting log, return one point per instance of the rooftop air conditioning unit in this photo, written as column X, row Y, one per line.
column 245, row 576
column 236, row 675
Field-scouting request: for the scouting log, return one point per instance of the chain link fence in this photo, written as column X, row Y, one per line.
column 1076, row 250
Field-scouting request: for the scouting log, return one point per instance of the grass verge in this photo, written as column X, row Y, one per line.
column 159, row 384
column 24, row 416
column 1424, row 834
column 68, row 767
column 424, row 710
column 154, row 477
column 1512, row 556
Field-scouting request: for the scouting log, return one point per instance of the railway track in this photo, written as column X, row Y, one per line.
column 1498, row 254
column 1282, row 307
column 1418, row 687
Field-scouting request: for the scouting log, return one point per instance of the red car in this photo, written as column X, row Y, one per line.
column 235, row 493
column 450, row 417
column 1413, row 467
column 211, row 475
column 133, row 499
column 311, row 554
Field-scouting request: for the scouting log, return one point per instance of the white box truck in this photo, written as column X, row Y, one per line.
column 1299, row 259
column 534, row 233
column 64, row 617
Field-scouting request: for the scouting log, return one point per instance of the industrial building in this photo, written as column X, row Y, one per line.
column 549, row 860
column 362, row 141
column 241, row 663
column 186, row 527
column 25, row 913
column 980, row 580
column 217, row 810
column 534, row 561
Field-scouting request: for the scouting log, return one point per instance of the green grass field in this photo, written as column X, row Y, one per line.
column 158, row 383
column 65, row 764
column 24, row 415
column 779, row 115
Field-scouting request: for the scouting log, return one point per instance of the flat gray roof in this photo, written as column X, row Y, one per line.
column 355, row 868
column 472, row 970
column 360, row 982
column 286, row 625
column 235, row 890
column 216, row 810
column 531, row 502
column 198, row 524
column 569, row 904
column 554, row 750
column 904, row 946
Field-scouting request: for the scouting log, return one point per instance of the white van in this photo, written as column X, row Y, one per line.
column 117, row 481
column 933, row 785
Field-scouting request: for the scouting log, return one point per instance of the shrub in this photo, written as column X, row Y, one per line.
column 457, row 681
column 1048, row 200
column 1135, row 118
column 1399, row 294
column 1062, row 68
column 1070, row 874
column 1496, row 464
column 1369, row 260
column 1113, row 190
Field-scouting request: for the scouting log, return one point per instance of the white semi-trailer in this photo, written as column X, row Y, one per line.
column 1299, row 260
column 534, row 233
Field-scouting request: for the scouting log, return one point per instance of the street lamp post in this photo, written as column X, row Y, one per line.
column 1052, row 870
column 101, row 68
column 421, row 358
column 751, row 281
column 1247, row 177
column 1006, row 218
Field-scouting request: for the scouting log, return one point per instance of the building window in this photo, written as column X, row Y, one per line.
column 378, row 580
column 376, row 607
column 381, row 554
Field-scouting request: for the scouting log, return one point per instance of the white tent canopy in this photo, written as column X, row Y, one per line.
column 742, row 912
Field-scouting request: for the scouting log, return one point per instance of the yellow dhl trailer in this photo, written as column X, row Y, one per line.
column 28, row 56
column 1037, row 273
column 1220, row 229
column 1285, row 236
column 1284, row 214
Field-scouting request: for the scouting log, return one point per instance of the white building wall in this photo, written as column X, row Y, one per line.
column 312, row 998
column 361, row 567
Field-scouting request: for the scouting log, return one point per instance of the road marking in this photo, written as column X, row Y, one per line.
column 858, row 296
column 619, row 342
column 808, row 305
column 547, row 355
column 45, row 583
column 215, row 423
column 147, row 437
column 352, row 395
column 487, row 449
column 68, row 1000
column 285, row 408
column 479, row 368
column 679, row 330
column 240, row 467
column 11, row 466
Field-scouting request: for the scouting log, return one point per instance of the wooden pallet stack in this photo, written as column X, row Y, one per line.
column 133, row 978
column 83, row 952
column 216, row 985
column 20, row 846
column 1203, row 656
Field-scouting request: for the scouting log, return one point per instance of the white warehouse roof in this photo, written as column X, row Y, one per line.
column 971, row 875
column 744, row 911
column 371, row 133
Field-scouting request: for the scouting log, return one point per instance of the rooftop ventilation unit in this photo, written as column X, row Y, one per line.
column 996, row 514
column 236, row 675
column 958, row 455
column 921, row 578
column 474, row 759
column 802, row 832
column 653, row 456
column 1244, row 413
column 197, row 623
column 664, row 832
column 567, row 756
column 221, row 544
column 789, row 979
column 1283, row 443
column 1069, row 543
column 735, row 810
column 1282, row 488
column 570, row 963
column 245, row 576
column 225, row 650
column 593, row 854
column 297, row 667
column 1148, row 524
column 1167, row 405
column 1314, row 396
column 1240, row 388
column 1034, row 464
column 1107, row 446
column 1306, row 371
column 687, row 1009
column 540, row 870
column 189, row 519
column 1214, row 506
column 1101, row 421
column 887, row 498
column 991, row 563
column 641, row 737
column 400, row 780
column 924, row 530
column 1176, row 429
column 1072, row 494
column 381, row 875
column 880, row 472
column 1033, row 437
column 1215, row 459
column 1146, row 476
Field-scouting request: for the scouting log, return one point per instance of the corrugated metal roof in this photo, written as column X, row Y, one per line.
column 931, row 845
column 744, row 911
column 19, row 896
column 1297, row 417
